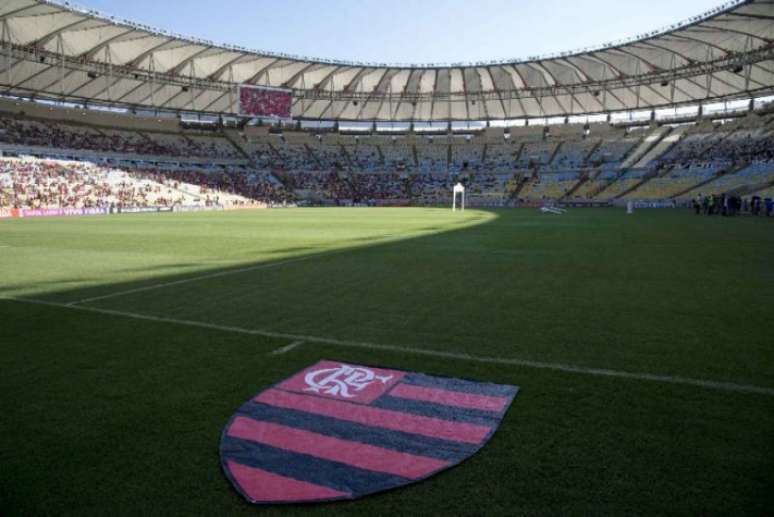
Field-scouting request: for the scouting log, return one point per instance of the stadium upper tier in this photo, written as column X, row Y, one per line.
column 53, row 50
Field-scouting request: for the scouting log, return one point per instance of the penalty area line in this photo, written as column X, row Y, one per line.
column 287, row 348
column 600, row 372
column 192, row 279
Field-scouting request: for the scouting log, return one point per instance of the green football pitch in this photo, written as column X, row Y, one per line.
column 643, row 346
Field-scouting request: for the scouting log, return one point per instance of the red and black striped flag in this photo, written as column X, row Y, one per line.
column 340, row 431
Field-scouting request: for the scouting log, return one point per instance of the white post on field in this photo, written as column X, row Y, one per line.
column 629, row 208
column 458, row 189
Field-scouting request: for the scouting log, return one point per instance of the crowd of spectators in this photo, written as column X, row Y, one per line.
column 399, row 188
column 69, row 136
column 54, row 184
column 721, row 148
column 43, row 184
column 253, row 185
column 399, row 169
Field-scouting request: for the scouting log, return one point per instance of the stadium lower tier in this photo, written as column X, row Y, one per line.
column 36, row 183
column 57, row 184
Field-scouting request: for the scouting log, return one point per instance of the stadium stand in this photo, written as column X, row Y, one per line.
column 573, row 163
column 32, row 183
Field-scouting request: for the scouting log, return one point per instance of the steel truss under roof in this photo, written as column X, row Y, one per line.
column 52, row 50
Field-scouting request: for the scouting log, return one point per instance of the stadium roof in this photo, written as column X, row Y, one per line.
column 54, row 50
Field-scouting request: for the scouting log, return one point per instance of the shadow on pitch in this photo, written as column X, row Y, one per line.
column 61, row 290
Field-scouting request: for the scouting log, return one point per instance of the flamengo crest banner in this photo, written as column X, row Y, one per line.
column 339, row 431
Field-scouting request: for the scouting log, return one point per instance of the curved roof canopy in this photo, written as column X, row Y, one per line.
column 56, row 51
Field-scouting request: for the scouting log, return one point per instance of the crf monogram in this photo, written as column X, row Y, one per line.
column 339, row 381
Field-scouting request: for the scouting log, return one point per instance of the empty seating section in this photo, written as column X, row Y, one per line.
column 759, row 173
column 573, row 154
column 623, row 183
column 596, row 181
column 500, row 157
column 484, row 187
column 398, row 156
column 215, row 147
column 263, row 153
column 329, row 155
column 677, row 180
column 554, row 185
column 466, row 157
column 536, row 154
column 613, row 152
column 365, row 157
column 432, row 157
column 295, row 157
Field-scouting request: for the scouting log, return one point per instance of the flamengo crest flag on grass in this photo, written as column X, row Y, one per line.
column 340, row 431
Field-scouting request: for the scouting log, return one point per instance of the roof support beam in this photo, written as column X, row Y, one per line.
column 256, row 76
column 182, row 64
column 654, row 67
column 46, row 38
column 328, row 78
column 18, row 11
column 736, row 31
column 135, row 63
column 521, row 78
column 92, row 52
column 33, row 76
column 497, row 91
column 97, row 95
column 416, row 76
column 467, row 98
column 228, row 64
column 358, row 78
column 584, row 78
column 710, row 47
column 214, row 101
column 294, row 77
column 750, row 15
column 370, row 95
column 638, row 92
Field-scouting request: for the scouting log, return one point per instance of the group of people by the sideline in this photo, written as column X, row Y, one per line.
column 731, row 205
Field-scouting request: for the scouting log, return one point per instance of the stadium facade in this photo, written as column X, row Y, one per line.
column 53, row 50
column 160, row 120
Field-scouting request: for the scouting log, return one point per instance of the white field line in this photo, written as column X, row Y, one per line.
column 207, row 276
column 192, row 279
column 287, row 348
column 603, row 372
column 385, row 239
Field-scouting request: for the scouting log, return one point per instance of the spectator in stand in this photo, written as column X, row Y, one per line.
column 68, row 136
column 51, row 184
